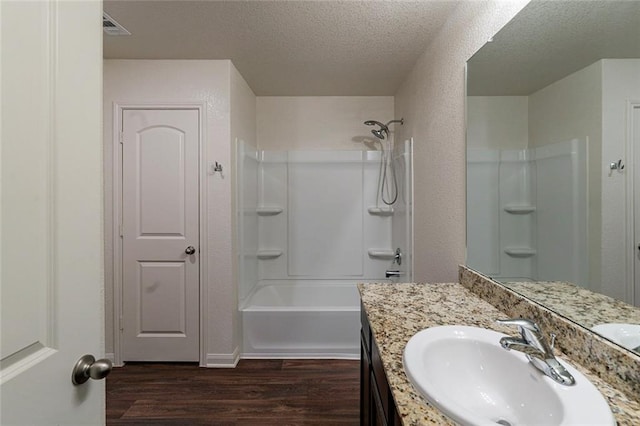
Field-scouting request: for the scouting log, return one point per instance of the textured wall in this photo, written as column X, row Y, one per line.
column 432, row 101
column 497, row 122
column 165, row 82
column 320, row 122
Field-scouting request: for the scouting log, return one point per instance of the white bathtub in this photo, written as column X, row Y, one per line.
column 317, row 319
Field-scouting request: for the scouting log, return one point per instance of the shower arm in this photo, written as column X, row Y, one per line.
column 401, row 121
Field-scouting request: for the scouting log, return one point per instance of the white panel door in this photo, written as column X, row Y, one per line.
column 160, row 235
column 51, row 211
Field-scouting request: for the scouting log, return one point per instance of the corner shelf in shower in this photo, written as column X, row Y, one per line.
column 520, row 251
column 269, row 254
column 268, row 210
column 381, row 253
column 380, row 211
column 519, row 209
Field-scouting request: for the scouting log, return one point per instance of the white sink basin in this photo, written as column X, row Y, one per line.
column 627, row 335
column 466, row 374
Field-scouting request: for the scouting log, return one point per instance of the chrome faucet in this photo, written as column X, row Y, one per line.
column 393, row 273
column 533, row 344
column 397, row 260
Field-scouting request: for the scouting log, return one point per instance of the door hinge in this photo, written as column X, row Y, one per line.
column 121, row 230
column 121, row 137
column 121, row 324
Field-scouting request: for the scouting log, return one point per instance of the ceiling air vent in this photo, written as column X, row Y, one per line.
column 111, row 27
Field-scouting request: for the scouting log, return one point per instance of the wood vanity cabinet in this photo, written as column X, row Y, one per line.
column 377, row 406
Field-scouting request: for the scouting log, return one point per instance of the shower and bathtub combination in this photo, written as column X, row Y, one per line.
column 311, row 225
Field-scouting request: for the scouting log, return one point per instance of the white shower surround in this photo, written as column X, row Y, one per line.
column 529, row 218
column 311, row 227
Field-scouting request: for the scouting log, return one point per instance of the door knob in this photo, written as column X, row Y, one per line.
column 88, row 368
column 190, row 250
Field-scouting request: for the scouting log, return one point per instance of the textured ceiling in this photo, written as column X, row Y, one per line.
column 549, row 40
column 286, row 47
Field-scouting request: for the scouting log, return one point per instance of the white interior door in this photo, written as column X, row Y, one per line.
column 51, row 210
column 160, row 235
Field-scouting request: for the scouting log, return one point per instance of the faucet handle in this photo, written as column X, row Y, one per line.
column 522, row 323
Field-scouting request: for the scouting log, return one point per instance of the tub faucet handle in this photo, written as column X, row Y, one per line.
column 397, row 257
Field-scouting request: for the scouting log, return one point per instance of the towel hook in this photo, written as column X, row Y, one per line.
column 617, row 165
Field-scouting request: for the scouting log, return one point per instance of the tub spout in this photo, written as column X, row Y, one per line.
column 393, row 273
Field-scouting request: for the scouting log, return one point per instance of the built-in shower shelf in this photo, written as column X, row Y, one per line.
column 381, row 253
column 269, row 254
column 381, row 211
column 268, row 210
column 520, row 251
column 519, row 209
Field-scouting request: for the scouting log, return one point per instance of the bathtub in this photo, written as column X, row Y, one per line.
column 300, row 319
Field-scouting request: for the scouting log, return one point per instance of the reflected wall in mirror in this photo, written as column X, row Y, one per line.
column 553, row 159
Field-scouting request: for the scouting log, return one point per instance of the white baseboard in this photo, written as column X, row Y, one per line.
column 300, row 355
column 223, row 360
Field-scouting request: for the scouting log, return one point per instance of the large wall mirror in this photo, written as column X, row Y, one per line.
column 553, row 161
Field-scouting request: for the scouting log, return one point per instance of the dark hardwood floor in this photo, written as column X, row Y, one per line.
column 256, row 392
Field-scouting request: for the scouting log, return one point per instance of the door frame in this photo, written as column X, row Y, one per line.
column 631, row 292
column 117, row 241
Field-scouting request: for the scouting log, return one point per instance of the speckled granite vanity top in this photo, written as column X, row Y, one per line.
column 397, row 311
column 576, row 303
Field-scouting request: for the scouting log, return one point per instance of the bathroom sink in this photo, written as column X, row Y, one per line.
column 627, row 335
column 466, row 374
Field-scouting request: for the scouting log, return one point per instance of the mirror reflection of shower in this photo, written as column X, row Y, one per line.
column 388, row 194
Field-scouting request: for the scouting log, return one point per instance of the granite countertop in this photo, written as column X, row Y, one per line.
column 576, row 303
column 398, row 311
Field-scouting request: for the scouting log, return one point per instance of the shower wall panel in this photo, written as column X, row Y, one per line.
column 483, row 210
column 528, row 212
column 402, row 220
column 247, row 218
column 325, row 215
column 562, row 230
column 313, row 219
column 272, row 222
column 501, row 218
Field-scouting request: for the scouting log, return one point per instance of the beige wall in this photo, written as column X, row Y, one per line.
column 568, row 108
column 497, row 122
column 228, row 112
column 320, row 122
column 432, row 101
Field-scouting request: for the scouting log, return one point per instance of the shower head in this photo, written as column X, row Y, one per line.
column 379, row 133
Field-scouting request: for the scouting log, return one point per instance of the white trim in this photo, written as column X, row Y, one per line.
column 630, row 237
column 204, row 232
column 222, row 360
column 307, row 355
column 410, row 212
column 116, row 200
